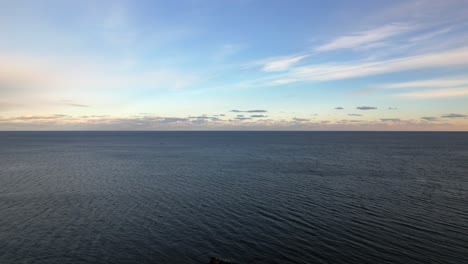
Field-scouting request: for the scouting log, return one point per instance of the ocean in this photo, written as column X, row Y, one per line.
column 246, row 197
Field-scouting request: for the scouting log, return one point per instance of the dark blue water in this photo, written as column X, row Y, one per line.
column 248, row 197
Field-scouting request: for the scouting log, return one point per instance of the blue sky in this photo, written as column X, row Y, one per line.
column 186, row 65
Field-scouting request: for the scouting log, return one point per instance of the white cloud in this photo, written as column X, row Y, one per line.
column 283, row 63
column 367, row 38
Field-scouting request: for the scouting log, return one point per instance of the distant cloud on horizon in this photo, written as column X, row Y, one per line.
column 105, row 122
column 390, row 119
column 249, row 111
column 454, row 116
column 366, row 108
column 429, row 118
column 300, row 119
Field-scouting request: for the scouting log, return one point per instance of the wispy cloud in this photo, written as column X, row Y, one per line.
column 338, row 71
column 39, row 117
column 441, row 82
column 339, row 108
column 282, row 63
column 439, row 93
column 430, row 35
column 258, row 116
column 354, row 115
column 368, row 37
column 73, row 103
column 78, row 105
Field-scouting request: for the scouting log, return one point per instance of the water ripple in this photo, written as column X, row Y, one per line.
column 263, row 197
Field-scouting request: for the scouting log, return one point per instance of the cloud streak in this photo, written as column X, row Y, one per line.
column 440, row 93
column 431, row 34
column 435, row 83
column 282, row 64
column 367, row 37
column 339, row 71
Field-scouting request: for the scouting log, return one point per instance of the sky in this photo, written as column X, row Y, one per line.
column 234, row 65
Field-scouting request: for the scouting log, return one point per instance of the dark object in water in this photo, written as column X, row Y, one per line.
column 215, row 260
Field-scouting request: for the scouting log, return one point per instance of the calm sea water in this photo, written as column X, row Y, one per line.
column 248, row 197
